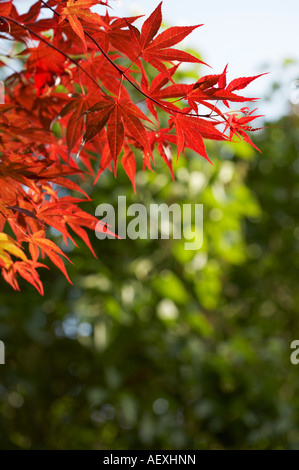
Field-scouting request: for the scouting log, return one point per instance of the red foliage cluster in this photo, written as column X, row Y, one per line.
column 76, row 94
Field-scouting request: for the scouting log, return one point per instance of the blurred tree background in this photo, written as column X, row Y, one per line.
column 156, row 347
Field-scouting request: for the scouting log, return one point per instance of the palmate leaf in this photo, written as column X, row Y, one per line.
column 191, row 131
column 81, row 9
column 156, row 50
column 123, row 118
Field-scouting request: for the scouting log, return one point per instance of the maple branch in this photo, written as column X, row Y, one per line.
column 53, row 47
column 123, row 73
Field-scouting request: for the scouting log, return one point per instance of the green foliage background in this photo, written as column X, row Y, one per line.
column 156, row 347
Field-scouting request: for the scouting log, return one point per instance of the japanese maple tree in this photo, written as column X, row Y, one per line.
column 93, row 92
